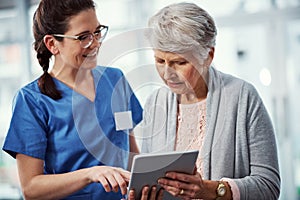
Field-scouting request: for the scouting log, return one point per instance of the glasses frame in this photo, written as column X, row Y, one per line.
column 91, row 35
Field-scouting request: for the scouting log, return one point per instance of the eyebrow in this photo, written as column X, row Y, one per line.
column 173, row 59
column 84, row 32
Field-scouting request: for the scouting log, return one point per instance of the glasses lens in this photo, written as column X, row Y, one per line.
column 86, row 40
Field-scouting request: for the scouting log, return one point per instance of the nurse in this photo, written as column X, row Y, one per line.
column 71, row 129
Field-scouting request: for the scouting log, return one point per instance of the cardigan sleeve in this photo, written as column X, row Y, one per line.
column 264, row 179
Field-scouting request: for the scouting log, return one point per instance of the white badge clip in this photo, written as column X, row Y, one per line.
column 123, row 120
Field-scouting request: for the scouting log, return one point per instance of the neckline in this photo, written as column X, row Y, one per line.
column 63, row 87
column 192, row 104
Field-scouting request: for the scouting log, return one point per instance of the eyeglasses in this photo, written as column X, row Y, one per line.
column 86, row 40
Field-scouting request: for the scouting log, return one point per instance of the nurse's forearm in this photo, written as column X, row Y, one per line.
column 55, row 186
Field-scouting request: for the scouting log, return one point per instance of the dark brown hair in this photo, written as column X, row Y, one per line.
column 52, row 17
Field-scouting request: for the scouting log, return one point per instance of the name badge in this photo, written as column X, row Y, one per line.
column 123, row 120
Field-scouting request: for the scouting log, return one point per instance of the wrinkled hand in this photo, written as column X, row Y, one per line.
column 147, row 194
column 111, row 178
column 183, row 185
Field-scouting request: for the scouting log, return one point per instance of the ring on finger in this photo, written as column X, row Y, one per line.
column 181, row 192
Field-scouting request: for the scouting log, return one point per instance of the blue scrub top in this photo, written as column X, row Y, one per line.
column 73, row 132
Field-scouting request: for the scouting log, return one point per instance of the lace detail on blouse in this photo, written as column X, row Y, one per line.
column 191, row 125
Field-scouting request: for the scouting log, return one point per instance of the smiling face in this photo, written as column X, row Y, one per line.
column 70, row 53
column 181, row 73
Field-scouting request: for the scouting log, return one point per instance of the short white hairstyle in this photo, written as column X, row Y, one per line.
column 182, row 27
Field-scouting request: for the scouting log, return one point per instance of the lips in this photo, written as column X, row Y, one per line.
column 173, row 84
column 91, row 54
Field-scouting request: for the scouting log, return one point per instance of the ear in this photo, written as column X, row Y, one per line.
column 210, row 57
column 50, row 43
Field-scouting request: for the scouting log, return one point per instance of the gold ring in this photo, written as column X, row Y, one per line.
column 181, row 192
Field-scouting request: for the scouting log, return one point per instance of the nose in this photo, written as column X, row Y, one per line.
column 95, row 43
column 169, row 72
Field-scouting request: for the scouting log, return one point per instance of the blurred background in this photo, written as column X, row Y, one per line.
column 258, row 40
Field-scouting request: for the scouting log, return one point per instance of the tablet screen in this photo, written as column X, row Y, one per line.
column 148, row 168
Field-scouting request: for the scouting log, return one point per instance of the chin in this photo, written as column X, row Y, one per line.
column 176, row 90
column 89, row 63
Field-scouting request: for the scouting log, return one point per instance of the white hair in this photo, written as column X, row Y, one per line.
column 182, row 27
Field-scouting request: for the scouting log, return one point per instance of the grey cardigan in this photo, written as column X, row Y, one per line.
column 239, row 142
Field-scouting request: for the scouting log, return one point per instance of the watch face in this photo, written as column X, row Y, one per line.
column 221, row 190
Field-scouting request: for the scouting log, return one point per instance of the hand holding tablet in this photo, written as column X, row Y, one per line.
column 148, row 168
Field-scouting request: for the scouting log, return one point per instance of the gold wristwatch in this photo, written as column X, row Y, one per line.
column 221, row 190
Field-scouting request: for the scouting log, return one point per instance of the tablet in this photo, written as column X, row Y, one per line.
column 148, row 168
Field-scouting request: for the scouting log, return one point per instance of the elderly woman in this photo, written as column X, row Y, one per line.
column 203, row 108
